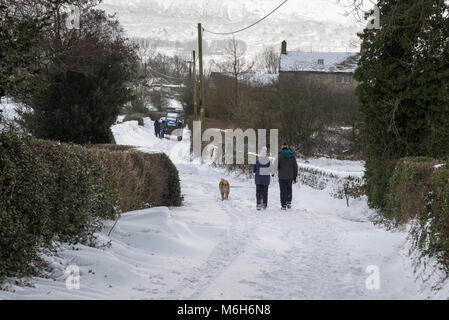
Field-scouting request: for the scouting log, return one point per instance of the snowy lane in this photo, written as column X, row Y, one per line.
column 210, row 249
column 319, row 250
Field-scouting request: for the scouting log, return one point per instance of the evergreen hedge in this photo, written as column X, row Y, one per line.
column 419, row 192
column 142, row 180
column 63, row 192
column 403, row 74
column 48, row 191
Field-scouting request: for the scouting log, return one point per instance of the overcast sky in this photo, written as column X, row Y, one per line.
column 306, row 24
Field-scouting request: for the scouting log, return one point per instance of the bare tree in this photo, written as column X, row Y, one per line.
column 357, row 8
column 236, row 66
column 145, row 50
column 174, row 68
column 269, row 60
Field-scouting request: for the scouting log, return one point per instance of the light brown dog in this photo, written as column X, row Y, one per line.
column 225, row 187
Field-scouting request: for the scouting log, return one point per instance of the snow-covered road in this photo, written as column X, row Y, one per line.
column 209, row 249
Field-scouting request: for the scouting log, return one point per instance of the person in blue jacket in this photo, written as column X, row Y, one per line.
column 262, row 172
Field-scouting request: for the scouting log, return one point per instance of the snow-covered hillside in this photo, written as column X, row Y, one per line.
column 209, row 249
column 318, row 25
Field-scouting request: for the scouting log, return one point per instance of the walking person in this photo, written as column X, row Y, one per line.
column 262, row 178
column 157, row 128
column 288, row 172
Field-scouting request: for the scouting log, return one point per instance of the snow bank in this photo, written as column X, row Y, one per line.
column 130, row 133
column 133, row 266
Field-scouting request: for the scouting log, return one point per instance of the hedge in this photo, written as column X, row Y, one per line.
column 48, row 192
column 419, row 192
column 135, row 117
column 143, row 180
column 63, row 192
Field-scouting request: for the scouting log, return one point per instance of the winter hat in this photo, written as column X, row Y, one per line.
column 263, row 152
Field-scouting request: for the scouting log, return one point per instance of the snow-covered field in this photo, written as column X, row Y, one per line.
column 209, row 249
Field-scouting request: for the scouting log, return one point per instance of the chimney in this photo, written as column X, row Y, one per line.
column 284, row 47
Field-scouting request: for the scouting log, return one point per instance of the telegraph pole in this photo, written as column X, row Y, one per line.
column 190, row 69
column 200, row 57
column 195, row 107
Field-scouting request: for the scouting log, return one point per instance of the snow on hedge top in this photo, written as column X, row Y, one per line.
column 319, row 61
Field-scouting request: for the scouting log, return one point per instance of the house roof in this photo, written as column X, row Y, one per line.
column 332, row 62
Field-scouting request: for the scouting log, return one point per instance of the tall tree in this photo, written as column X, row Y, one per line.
column 404, row 87
column 88, row 80
column 19, row 55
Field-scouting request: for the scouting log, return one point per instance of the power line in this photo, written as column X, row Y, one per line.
column 253, row 24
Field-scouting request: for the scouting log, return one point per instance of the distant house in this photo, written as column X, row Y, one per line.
column 165, row 87
column 334, row 69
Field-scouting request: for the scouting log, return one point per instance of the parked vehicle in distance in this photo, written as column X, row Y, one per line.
column 174, row 119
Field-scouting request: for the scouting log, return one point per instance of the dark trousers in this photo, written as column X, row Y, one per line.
column 285, row 185
column 262, row 195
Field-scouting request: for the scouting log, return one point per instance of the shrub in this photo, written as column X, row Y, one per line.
column 142, row 180
column 81, row 194
column 63, row 192
column 48, row 192
column 352, row 187
column 135, row 117
column 377, row 176
column 24, row 207
column 172, row 197
column 156, row 115
column 408, row 186
column 419, row 192
column 431, row 230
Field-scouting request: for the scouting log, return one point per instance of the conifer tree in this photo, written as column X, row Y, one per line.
column 19, row 59
column 403, row 88
column 88, row 81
